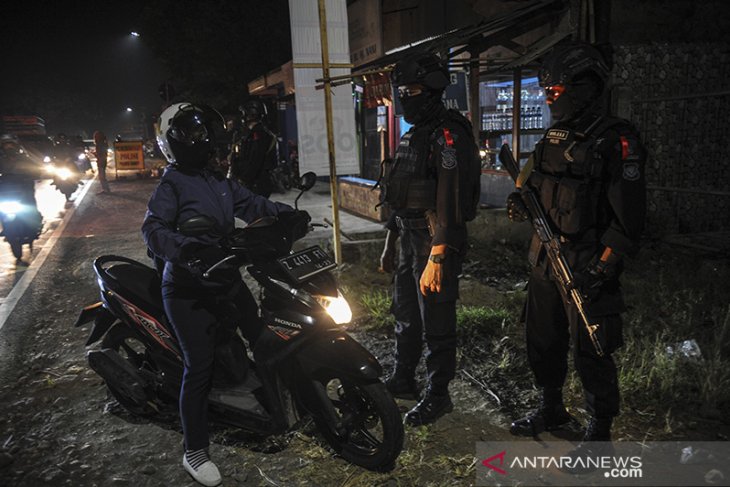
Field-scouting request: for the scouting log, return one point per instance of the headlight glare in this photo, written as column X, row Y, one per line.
column 63, row 173
column 10, row 208
column 337, row 307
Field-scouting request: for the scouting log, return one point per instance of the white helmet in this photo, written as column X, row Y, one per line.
column 186, row 133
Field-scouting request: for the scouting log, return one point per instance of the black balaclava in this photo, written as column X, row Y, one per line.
column 581, row 95
column 421, row 107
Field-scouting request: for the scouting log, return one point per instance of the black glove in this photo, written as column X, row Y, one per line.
column 589, row 281
column 516, row 209
column 298, row 221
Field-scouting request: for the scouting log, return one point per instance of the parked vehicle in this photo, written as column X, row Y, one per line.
column 304, row 364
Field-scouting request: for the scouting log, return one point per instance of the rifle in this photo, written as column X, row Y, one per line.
column 551, row 244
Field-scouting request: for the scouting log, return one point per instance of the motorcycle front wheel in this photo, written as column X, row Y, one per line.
column 360, row 421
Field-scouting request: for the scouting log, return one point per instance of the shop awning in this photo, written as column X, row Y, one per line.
column 501, row 30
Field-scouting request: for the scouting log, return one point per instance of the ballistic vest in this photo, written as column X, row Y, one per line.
column 409, row 180
column 570, row 175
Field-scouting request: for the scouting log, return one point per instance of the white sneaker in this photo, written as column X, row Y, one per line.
column 206, row 474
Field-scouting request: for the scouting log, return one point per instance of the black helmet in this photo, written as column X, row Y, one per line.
column 187, row 133
column 573, row 60
column 253, row 109
column 425, row 69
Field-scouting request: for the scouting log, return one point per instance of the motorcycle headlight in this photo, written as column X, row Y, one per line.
column 63, row 173
column 81, row 156
column 47, row 159
column 337, row 307
column 10, row 208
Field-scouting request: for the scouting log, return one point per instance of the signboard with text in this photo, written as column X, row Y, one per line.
column 311, row 123
column 365, row 31
column 129, row 156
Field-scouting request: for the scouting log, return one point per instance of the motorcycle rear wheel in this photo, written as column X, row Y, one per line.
column 369, row 431
column 124, row 341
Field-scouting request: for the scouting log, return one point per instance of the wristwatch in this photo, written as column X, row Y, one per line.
column 437, row 259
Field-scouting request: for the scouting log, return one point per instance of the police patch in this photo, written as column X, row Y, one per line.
column 557, row 134
column 448, row 157
column 631, row 171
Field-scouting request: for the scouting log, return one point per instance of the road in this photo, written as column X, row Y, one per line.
column 59, row 427
column 53, row 206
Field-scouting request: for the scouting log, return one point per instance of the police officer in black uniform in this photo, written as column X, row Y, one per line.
column 190, row 188
column 588, row 171
column 432, row 195
column 257, row 154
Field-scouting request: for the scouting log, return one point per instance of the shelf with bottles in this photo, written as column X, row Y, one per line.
column 497, row 116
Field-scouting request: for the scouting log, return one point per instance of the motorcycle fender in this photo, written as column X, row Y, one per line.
column 340, row 353
column 103, row 320
column 88, row 313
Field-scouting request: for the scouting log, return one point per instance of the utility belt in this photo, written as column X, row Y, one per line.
column 411, row 223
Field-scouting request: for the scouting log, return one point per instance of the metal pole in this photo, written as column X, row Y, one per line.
column 516, row 118
column 330, row 130
column 475, row 109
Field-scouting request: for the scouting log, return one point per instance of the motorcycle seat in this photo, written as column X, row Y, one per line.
column 140, row 281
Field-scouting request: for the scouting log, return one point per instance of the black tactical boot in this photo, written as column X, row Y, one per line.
column 431, row 408
column 596, row 443
column 402, row 384
column 549, row 416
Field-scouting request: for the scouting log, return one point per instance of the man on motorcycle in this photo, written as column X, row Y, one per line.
column 258, row 153
column 189, row 188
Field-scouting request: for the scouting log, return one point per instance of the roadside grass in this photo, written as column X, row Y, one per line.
column 671, row 298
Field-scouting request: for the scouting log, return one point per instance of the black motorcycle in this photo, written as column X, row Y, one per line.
column 65, row 175
column 22, row 222
column 304, row 364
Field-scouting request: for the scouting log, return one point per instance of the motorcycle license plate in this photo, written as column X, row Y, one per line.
column 306, row 263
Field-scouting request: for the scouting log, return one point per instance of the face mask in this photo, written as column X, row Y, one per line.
column 421, row 107
column 573, row 101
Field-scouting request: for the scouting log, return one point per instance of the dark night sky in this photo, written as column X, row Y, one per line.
column 58, row 55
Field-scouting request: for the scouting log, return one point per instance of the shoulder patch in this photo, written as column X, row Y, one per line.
column 629, row 147
column 557, row 134
column 448, row 157
column 631, row 171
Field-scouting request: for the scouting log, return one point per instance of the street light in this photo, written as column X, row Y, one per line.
column 129, row 109
column 134, row 33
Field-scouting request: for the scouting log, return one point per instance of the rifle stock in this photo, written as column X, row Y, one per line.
column 551, row 244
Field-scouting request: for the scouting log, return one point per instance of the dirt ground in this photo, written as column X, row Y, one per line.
column 58, row 426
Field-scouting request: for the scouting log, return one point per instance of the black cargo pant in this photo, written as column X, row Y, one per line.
column 551, row 324
column 431, row 318
column 191, row 312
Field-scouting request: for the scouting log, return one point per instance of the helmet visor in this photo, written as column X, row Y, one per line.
column 190, row 126
column 553, row 92
column 409, row 90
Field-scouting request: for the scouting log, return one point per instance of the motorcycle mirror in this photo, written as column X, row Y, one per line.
column 307, row 181
column 197, row 226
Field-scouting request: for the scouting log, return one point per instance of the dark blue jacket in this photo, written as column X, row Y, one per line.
column 182, row 195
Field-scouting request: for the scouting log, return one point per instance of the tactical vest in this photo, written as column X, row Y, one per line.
column 409, row 180
column 570, row 175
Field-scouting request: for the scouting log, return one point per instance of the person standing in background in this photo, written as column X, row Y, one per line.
column 102, row 146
